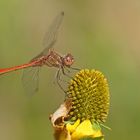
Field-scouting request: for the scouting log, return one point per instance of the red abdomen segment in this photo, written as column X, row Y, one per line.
column 6, row 70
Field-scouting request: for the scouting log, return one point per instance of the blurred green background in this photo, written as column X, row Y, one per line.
column 103, row 35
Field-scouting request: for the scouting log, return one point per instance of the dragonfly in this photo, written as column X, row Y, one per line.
column 48, row 57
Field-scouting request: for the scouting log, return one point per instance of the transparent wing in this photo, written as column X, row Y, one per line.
column 30, row 80
column 51, row 35
column 30, row 77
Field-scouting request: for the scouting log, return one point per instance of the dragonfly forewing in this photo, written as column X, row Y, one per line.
column 51, row 35
column 30, row 77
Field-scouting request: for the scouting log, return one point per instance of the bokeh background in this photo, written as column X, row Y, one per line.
column 103, row 35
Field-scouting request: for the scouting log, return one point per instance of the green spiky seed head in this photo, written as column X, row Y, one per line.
column 89, row 93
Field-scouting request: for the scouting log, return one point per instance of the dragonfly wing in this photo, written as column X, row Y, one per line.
column 30, row 80
column 51, row 35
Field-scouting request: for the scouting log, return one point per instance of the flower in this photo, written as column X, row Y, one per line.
column 90, row 96
column 86, row 106
column 84, row 129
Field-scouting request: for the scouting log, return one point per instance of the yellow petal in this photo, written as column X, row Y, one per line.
column 85, row 129
column 71, row 128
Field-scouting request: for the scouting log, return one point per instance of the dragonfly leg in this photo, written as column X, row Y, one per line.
column 73, row 68
column 64, row 73
column 60, row 77
column 58, row 80
column 66, row 68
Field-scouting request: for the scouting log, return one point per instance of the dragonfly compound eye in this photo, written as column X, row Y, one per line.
column 68, row 60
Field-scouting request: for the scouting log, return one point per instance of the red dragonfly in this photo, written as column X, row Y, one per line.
column 47, row 57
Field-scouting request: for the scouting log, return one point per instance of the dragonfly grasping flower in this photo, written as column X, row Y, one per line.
column 85, row 108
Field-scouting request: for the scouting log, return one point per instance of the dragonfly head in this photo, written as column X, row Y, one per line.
column 68, row 60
